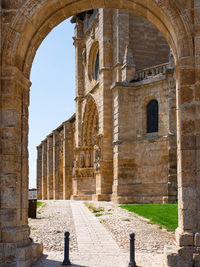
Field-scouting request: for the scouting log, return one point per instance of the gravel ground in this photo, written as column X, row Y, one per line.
column 149, row 238
column 53, row 219
column 56, row 217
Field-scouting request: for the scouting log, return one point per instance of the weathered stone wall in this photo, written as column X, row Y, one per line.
column 50, row 167
column 148, row 46
column 24, row 25
column 68, row 158
column 141, row 159
column 44, row 169
column 55, row 162
column 39, row 172
column 110, row 32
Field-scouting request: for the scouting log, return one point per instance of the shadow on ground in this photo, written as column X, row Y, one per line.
column 44, row 261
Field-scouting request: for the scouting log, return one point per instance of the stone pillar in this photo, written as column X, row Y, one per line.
column 60, row 164
column 80, row 59
column 120, row 41
column 68, row 146
column 44, row 169
column 55, row 165
column 50, row 167
column 187, row 234
column 39, row 172
column 128, row 69
column 172, row 148
column 104, row 175
column 14, row 229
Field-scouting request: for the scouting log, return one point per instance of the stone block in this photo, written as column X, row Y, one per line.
column 188, row 159
column 184, row 238
column 183, row 263
column 37, row 250
column 196, row 258
column 9, row 251
column 29, row 254
column 188, row 197
column 24, row 253
column 8, row 217
column 170, row 256
column 197, row 239
column 186, row 254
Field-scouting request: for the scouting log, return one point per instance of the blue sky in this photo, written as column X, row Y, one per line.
column 53, row 88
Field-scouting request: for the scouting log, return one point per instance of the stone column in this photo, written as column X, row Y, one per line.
column 39, row 172
column 80, row 59
column 55, row 165
column 50, row 167
column 67, row 160
column 14, row 229
column 60, row 164
column 187, row 234
column 44, row 169
column 104, row 174
column 172, row 165
column 120, row 40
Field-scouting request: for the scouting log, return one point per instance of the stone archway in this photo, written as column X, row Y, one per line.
column 24, row 24
column 84, row 181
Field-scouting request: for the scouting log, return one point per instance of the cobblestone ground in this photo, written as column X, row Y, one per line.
column 149, row 238
column 53, row 219
column 56, row 217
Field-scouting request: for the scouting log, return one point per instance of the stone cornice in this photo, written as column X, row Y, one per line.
column 154, row 79
column 39, row 146
column 145, row 137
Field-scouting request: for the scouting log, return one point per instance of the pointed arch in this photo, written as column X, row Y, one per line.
column 90, row 123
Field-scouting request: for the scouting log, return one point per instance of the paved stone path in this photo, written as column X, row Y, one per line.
column 94, row 240
column 96, row 247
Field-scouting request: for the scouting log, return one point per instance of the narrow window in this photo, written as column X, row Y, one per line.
column 96, row 66
column 152, row 116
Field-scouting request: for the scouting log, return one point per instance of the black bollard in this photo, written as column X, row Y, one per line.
column 132, row 262
column 66, row 255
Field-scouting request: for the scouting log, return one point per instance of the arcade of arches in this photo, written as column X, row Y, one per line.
column 23, row 26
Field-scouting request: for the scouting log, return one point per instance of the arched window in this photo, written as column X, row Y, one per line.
column 96, row 66
column 93, row 62
column 152, row 116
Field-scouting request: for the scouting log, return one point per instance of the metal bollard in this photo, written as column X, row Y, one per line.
column 132, row 262
column 66, row 252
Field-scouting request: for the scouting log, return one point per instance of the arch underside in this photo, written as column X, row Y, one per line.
column 36, row 19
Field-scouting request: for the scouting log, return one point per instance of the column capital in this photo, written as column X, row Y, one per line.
column 39, row 147
column 55, row 132
column 50, row 136
column 50, row 142
column 44, row 142
column 13, row 73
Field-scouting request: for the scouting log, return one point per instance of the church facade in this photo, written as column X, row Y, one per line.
column 120, row 144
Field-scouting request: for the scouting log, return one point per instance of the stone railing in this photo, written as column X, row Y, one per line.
column 150, row 72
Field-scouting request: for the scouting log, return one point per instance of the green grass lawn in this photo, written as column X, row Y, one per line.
column 39, row 203
column 165, row 215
